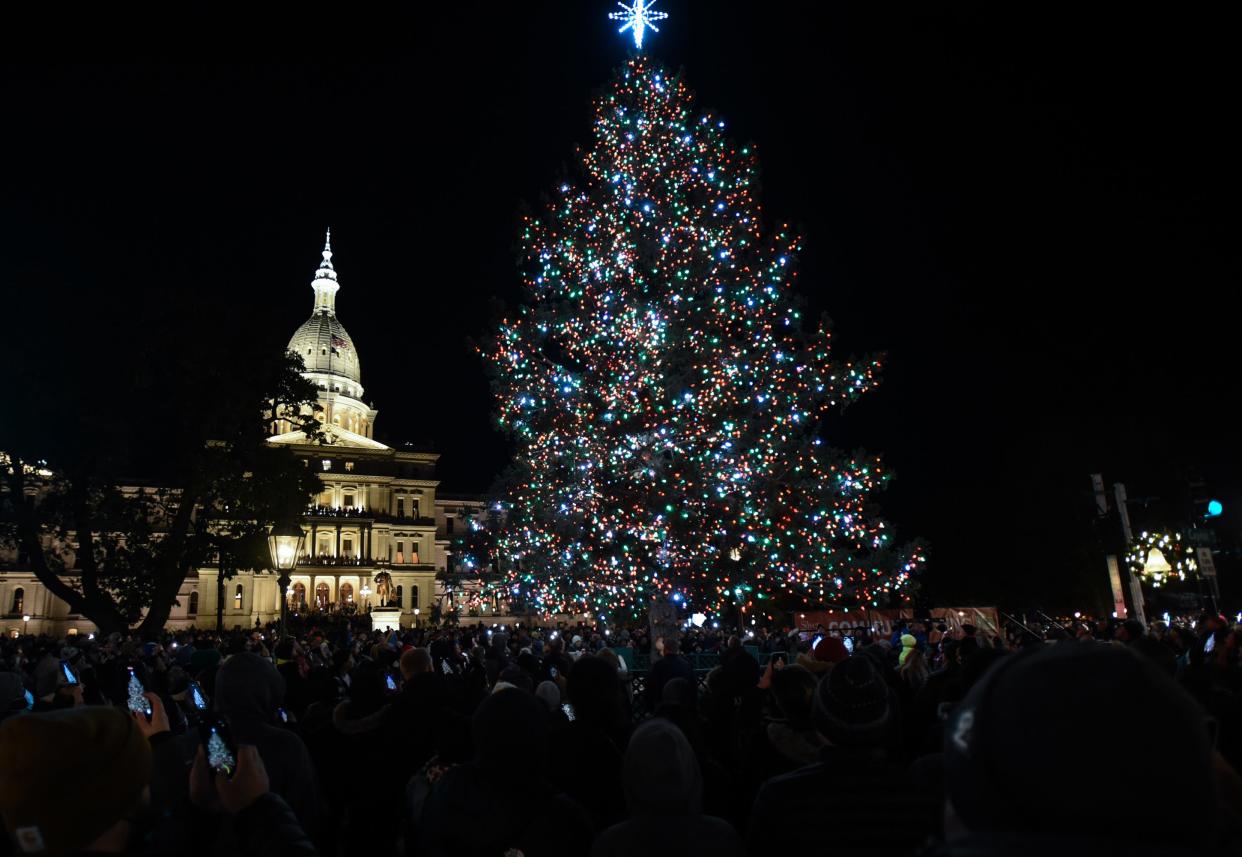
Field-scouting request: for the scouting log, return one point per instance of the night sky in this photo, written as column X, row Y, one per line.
column 1034, row 213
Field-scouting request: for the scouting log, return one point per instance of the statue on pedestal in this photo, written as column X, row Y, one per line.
column 383, row 587
column 662, row 621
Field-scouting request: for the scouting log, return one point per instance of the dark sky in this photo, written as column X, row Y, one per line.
column 1033, row 212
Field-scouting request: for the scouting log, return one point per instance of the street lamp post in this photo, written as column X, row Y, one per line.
column 416, row 619
column 25, row 624
column 284, row 542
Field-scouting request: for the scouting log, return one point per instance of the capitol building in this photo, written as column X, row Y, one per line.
column 378, row 510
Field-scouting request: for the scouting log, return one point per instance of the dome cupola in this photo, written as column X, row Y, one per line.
column 322, row 341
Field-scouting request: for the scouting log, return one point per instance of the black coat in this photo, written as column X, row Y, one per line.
column 661, row 673
column 851, row 802
column 473, row 812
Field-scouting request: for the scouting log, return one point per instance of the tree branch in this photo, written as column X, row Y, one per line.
column 29, row 536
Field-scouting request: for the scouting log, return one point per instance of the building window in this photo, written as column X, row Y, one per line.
column 299, row 594
column 349, row 501
column 413, row 595
column 347, row 548
column 237, row 597
column 400, row 507
column 448, row 526
column 349, row 465
column 19, row 600
column 194, row 603
column 400, row 554
column 321, row 596
column 347, row 593
column 414, row 552
column 327, row 464
column 400, row 595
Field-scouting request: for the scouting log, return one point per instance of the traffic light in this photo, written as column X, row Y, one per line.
column 1206, row 508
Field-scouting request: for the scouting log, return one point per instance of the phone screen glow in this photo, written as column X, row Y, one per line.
column 218, row 754
column 138, row 703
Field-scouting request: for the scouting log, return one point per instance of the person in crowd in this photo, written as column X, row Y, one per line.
column 79, row 780
column 787, row 738
column 473, row 808
column 586, row 759
column 663, row 792
column 13, row 699
column 909, row 643
column 1131, row 630
column 827, row 652
column 248, row 693
column 1018, row 713
column 384, row 752
column 669, row 666
column 857, row 798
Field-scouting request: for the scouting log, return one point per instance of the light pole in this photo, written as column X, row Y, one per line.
column 416, row 620
column 366, row 595
column 25, row 624
column 284, row 542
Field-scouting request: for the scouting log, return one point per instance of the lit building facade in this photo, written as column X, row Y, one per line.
column 378, row 511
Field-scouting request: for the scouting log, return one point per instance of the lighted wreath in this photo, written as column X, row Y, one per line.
column 1160, row 556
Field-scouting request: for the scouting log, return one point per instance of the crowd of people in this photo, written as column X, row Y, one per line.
column 490, row 740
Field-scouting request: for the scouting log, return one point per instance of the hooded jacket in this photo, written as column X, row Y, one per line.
column 510, row 732
column 907, row 646
column 664, row 793
column 248, row 692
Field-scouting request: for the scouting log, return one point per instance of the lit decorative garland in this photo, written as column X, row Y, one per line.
column 664, row 395
column 1178, row 556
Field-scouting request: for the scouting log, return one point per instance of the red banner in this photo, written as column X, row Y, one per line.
column 986, row 619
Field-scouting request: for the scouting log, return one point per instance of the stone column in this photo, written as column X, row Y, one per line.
column 314, row 531
column 338, row 541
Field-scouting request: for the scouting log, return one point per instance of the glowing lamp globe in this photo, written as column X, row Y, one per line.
column 1214, row 508
column 1156, row 564
column 284, row 543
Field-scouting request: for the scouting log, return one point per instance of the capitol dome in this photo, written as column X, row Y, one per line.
column 322, row 341
column 331, row 364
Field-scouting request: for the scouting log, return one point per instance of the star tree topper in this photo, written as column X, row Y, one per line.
column 638, row 16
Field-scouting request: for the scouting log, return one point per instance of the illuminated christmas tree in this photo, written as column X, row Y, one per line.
column 665, row 395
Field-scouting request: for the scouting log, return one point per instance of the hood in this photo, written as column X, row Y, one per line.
column 661, row 773
column 248, row 688
column 510, row 730
column 549, row 694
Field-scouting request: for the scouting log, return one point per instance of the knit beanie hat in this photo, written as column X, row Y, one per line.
column 793, row 688
column 1050, row 708
column 549, row 694
column 854, row 705
column 831, row 650
column 510, row 730
column 67, row 776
